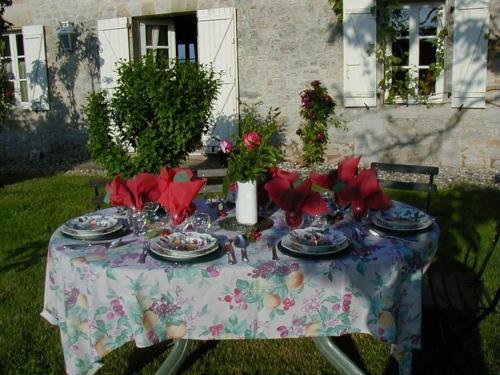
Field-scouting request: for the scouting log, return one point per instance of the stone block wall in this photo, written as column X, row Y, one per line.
column 282, row 46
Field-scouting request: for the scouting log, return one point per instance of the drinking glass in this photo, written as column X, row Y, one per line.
column 137, row 221
column 198, row 222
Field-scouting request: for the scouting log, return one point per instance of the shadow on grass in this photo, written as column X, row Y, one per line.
column 24, row 257
column 463, row 213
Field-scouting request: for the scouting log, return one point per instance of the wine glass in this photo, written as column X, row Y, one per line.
column 200, row 222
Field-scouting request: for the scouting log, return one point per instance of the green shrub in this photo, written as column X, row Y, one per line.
column 158, row 111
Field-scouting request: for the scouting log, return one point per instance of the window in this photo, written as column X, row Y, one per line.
column 414, row 51
column 168, row 37
column 15, row 66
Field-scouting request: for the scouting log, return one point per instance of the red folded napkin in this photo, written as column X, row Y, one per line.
column 178, row 189
column 295, row 197
column 361, row 190
column 134, row 192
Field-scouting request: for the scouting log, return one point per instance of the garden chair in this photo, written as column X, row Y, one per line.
column 214, row 178
column 408, row 169
column 458, row 299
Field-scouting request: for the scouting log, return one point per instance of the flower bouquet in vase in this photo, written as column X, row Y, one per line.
column 250, row 155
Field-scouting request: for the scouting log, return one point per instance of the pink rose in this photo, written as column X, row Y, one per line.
column 226, row 146
column 251, row 139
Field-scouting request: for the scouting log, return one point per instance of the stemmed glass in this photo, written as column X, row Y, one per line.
column 137, row 221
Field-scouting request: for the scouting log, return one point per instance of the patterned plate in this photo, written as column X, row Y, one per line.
column 179, row 256
column 189, row 242
column 292, row 250
column 401, row 217
column 91, row 224
column 316, row 237
column 93, row 236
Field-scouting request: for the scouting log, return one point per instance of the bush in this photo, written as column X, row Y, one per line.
column 158, row 111
column 317, row 110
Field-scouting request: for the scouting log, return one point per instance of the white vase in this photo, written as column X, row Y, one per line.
column 246, row 202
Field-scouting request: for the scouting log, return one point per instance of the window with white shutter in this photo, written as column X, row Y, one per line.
column 217, row 46
column 414, row 52
column 360, row 79
column 26, row 66
column 470, row 44
column 113, row 49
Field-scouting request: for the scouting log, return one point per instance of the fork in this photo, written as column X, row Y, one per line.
column 272, row 246
column 145, row 249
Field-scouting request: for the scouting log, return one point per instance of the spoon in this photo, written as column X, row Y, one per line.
column 242, row 243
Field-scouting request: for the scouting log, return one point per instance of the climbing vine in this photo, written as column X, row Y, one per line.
column 398, row 83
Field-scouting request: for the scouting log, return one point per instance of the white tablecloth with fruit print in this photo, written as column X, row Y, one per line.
column 103, row 298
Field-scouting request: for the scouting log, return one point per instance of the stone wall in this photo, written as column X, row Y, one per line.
column 282, row 45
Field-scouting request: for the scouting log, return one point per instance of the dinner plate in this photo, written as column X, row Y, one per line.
column 401, row 217
column 187, row 242
column 290, row 249
column 92, row 236
column 317, row 239
column 176, row 256
column 95, row 233
column 91, row 224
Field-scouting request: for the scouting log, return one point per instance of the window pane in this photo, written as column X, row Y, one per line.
column 181, row 52
column 427, row 51
column 192, row 53
column 24, row 91
column 401, row 51
column 6, row 46
column 22, row 68
column 428, row 21
column 157, row 53
column 162, row 54
column 20, row 45
column 401, row 21
column 400, row 82
column 156, row 35
column 8, row 69
column 426, row 83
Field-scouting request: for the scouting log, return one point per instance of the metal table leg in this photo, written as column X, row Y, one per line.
column 336, row 356
column 176, row 358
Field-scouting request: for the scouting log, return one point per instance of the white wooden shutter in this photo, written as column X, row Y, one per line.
column 470, row 46
column 113, row 48
column 217, row 46
column 360, row 78
column 36, row 67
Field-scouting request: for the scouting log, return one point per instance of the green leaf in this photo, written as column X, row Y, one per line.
column 242, row 285
column 181, row 177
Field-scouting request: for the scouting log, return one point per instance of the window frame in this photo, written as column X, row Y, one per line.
column 15, row 57
column 414, row 50
column 143, row 22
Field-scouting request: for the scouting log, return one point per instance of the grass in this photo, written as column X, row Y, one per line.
column 31, row 209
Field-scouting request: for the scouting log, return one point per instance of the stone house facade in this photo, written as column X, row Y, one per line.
column 269, row 51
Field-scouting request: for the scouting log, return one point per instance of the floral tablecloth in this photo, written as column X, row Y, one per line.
column 103, row 298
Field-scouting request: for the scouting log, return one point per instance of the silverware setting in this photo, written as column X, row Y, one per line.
column 108, row 245
column 375, row 233
column 146, row 245
column 228, row 248
column 272, row 246
column 242, row 243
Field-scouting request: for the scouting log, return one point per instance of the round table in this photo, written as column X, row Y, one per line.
column 102, row 298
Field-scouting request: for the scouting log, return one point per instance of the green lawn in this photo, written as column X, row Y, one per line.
column 31, row 209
